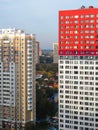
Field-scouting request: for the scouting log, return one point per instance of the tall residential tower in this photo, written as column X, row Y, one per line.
column 17, row 85
column 55, row 53
column 78, row 69
column 36, row 51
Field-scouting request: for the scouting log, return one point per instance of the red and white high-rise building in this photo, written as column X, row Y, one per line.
column 78, row 69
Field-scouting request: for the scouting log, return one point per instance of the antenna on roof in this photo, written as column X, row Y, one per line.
column 82, row 7
column 91, row 6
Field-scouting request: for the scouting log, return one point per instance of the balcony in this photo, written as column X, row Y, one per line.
column 5, row 41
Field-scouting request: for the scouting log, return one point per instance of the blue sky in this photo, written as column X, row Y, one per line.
column 38, row 17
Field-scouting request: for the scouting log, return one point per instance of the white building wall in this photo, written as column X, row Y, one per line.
column 78, row 94
column 29, row 74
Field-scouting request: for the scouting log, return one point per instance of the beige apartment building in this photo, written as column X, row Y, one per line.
column 55, row 53
column 36, row 52
column 17, row 84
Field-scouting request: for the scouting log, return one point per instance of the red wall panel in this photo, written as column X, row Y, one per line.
column 78, row 32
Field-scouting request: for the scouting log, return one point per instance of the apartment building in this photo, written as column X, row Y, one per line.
column 36, row 52
column 17, row 84
column 78, row 69
column 55, row 53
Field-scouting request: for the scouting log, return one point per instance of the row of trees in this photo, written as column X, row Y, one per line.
column 47, row 67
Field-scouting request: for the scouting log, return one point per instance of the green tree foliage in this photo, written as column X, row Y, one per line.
column 44, row 107
column 48, row 71
column 50, row 91
column 47, row 67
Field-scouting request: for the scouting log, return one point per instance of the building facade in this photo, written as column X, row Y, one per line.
column 55, row 53
column 40, row 51
column 36, row 52
column 78, row 69
column 17, row 74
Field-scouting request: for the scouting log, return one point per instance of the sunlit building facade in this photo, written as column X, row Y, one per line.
column 55, row 53
column 17, row 84
column 36, row 52
column 78, row 69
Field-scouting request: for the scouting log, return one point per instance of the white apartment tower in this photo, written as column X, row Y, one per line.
column 78, row 69
column 17, row 74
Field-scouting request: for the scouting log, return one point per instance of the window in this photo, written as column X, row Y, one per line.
column 86, row 16
column 61, row 17
column 75, row 87
column 76, row 21
column 61, row 72
column 76, row 16
column 61, row 62
column 97, row 26
column 96, row 36
column 91, row 36
column 61, row 86
column 92, row 31
column 96, row 15
column 92, row 47
column 61, row 81
column 76, row 127
column 61, row 76
column 75, row 72
column 92, row 21
column 81, row 16
column 92, row 15
column 86, row 31
column 75, row 77
column 75, row 82
column 96, row 73
column 67, row 62
column 61, row 67
column 75, row 31
column 67, row 72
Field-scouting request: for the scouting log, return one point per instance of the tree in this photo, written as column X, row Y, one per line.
column 44, row 107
